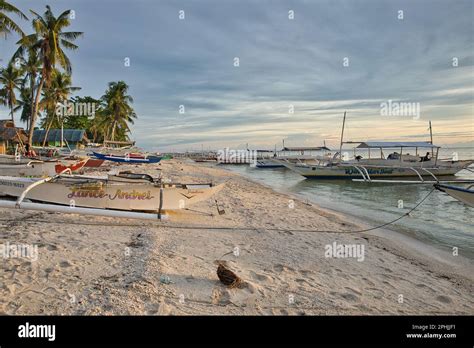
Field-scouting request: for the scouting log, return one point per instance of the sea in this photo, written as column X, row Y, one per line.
column 440, row 220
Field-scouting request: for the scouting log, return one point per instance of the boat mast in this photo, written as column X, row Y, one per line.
column 342, row 135
column 431, row 139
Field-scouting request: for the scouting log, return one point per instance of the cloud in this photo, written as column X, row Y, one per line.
column 283, row 63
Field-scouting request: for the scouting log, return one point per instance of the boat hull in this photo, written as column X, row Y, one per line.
column 125, row 159
column 102, row 194
column 348, row 172
column 268, row 164
column 32, row 169
column 72, row 165
column 461, row 194
column 94, row 163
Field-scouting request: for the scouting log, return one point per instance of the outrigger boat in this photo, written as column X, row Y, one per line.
column 290, row 154
column 128, row 158
column 395, row 165
column 465, row 195
column 125, row 192
column 31, row 169
column 23, row 166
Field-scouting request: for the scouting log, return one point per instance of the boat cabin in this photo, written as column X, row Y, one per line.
column 400, row 150
column 303, row 151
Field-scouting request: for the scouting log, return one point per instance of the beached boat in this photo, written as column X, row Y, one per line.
column 125, row 191
column 23, row 166
column 128, row 158
column 75, row 166
column 94, row 163
column 465, row 195
column 30, row 169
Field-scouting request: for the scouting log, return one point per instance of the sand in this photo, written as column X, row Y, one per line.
column 103, row 266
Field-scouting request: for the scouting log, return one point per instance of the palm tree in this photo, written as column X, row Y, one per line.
column 3, row 99
column 99, row 126
column 48, row 41
column 24, row 103
column 117, row 110
column 10, row 77
column 30, row 68
column 7, row 25
column 54, row 96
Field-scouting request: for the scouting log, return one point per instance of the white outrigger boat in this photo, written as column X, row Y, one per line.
column 27, row 167
column 31, row 168
column 292, row 155
column 125, row 192
column 395, row 165
column 465, row 195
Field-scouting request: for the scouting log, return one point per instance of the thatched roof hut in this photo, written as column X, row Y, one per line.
column 10, row 135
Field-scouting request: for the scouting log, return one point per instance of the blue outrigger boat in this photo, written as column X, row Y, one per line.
column 127, row 158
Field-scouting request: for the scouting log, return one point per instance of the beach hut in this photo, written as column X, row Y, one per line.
column 75, row 138
column 11, row 136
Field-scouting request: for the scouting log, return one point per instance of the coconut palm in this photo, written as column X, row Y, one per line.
column 54, row 98
column 11, row 79
column 24, row 104
column 3, row 99
column 117, row 110
column 30, row 67
column 7, row 25
column 49, row 41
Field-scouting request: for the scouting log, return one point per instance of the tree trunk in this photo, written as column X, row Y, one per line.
column 11, row 111
column 48, row 128
column 112, row 137
column 32, row 100
column 34, row 112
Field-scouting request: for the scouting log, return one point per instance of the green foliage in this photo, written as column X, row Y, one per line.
column 7, row 25
column 43, row 87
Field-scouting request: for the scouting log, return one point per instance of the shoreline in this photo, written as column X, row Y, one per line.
column 432, row 248
column 104, row 266
column 393, row 237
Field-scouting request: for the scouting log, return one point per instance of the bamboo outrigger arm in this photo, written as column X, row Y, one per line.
column 37, row 183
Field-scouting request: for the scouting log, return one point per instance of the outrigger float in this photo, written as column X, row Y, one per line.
column 123, row 195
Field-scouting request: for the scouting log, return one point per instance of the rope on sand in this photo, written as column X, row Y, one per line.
column 243, row 228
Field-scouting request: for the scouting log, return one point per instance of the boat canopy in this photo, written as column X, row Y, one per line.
column 123, row 143
column 394, row 144
column 318, row 148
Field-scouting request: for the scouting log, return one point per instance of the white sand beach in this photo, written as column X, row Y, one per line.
column 104, row 266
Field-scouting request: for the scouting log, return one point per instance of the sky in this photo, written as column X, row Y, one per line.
column 302, row 64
